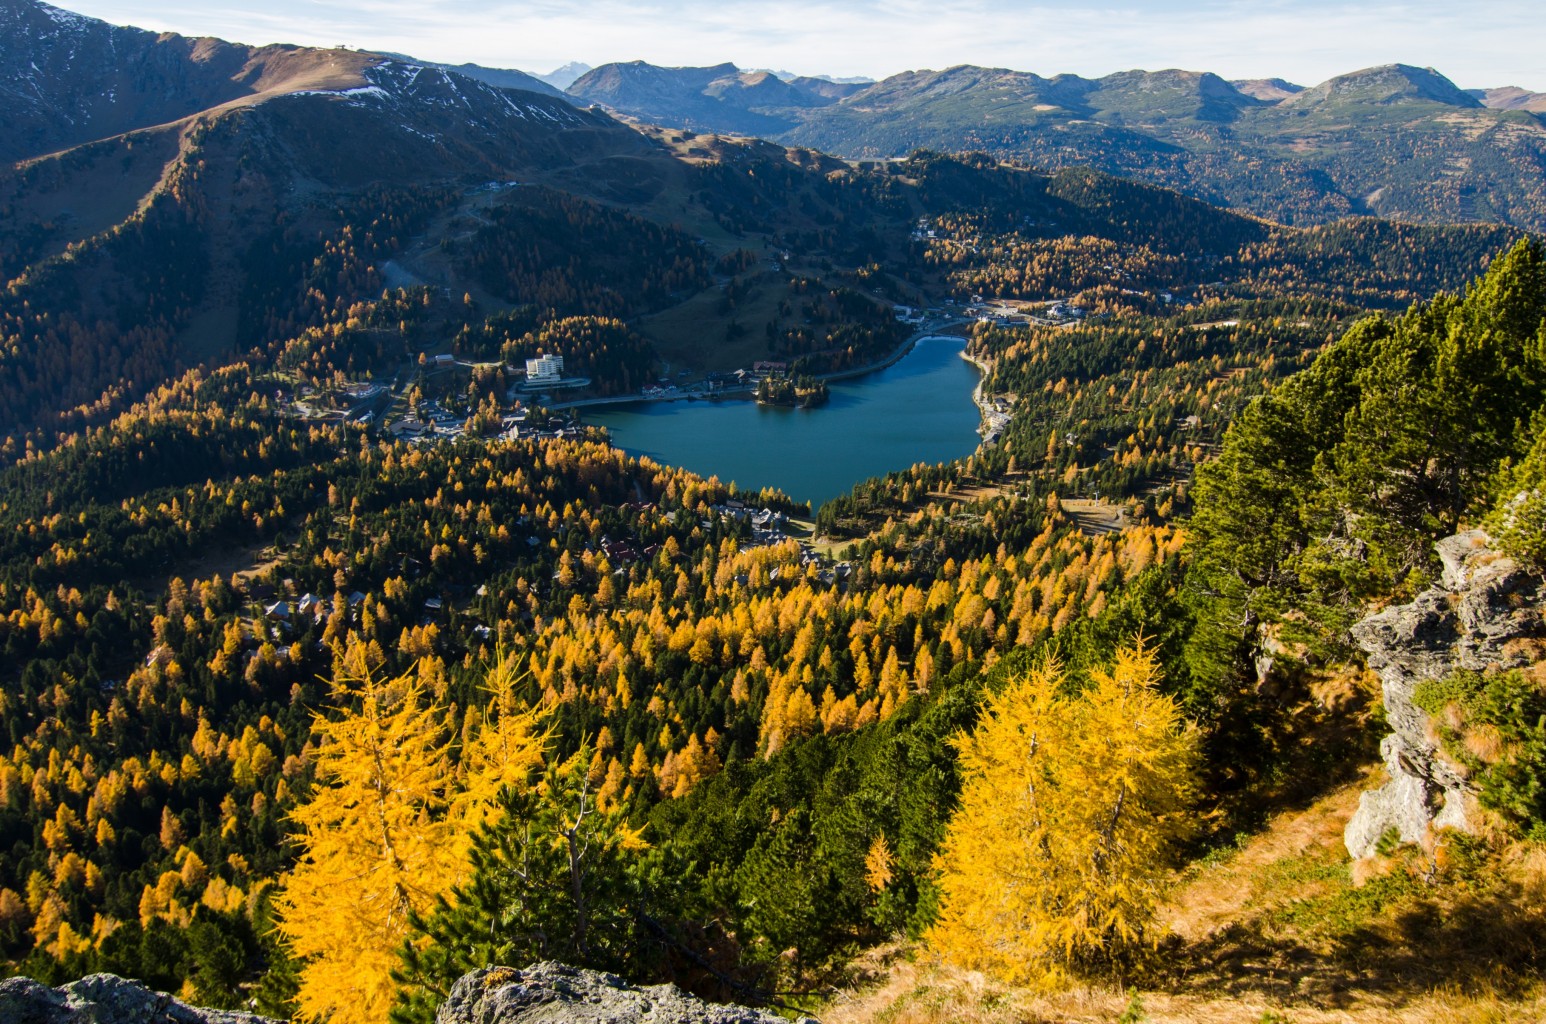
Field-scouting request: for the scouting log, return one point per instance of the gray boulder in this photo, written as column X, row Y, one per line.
column 1482, row 617
column 553, row 993
column 104, row 999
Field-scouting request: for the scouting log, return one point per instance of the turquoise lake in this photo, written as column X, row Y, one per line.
column 919, row 409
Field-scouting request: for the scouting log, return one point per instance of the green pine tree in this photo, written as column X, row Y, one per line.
column 554, row 877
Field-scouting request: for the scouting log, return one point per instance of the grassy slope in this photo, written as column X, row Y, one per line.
column 1278, row 930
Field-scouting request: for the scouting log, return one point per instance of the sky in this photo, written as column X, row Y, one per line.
column 1476, row 43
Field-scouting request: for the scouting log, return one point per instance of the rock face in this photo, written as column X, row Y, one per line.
column 546, row 993
column 552, row 993
column 1483, row 616
column 103, row 999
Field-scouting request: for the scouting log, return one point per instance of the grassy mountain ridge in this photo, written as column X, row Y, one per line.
column 218, row 181
column 500, row 78
column 1511, row 98
column 68, row 79
column 1395, row 140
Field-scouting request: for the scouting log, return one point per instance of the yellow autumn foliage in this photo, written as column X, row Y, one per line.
column 1071, row 807
column 877, row 865
column 386, row 831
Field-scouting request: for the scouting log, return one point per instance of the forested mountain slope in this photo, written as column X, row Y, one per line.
column 718, row 683
column 1393, row 141
column 233, row 598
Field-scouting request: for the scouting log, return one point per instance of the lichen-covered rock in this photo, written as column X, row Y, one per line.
column 103, row 999
column 553, row 993
column 1483, row 616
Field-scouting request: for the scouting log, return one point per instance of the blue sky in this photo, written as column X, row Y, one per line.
column 1477, row 43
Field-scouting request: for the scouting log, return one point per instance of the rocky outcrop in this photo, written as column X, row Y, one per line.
column 550, row 993
column 1486, row 614
column 103, row 999
column 545, row 993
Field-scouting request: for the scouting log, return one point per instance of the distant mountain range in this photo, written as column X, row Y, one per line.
column 174, row 202
column 1268, row 90
column 790, row 76
column 717, row 98
column 1395, row 141
column 1511, row 98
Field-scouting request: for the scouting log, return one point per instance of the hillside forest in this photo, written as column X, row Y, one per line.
column 306, row 716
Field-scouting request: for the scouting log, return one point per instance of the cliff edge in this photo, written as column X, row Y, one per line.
column 1485, row 615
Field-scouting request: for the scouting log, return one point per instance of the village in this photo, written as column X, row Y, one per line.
column 425, row 404
column 283, row 614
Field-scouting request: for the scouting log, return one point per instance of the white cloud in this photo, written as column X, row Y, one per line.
column 1482, row 43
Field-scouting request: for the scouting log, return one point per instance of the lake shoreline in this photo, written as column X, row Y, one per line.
column 886, row 362
column 917, row 407
column 993, row 421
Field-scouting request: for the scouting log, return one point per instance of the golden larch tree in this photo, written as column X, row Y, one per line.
column 1071, row 807
column 387, row 829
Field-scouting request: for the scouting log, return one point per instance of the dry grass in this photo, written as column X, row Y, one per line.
column 972, row 493
column 924, row 992
column 1280, row 931
column 1453, row 1006
column 1213, row 896
column 1485, row 743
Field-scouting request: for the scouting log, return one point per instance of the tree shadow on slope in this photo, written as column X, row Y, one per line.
column 1394, row 938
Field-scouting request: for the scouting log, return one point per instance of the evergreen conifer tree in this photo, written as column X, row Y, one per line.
column 553, row 877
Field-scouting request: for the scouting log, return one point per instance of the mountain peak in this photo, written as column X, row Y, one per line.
column 66, row 79
column 37, row 14
column 1383, row 85
column 562, row 78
